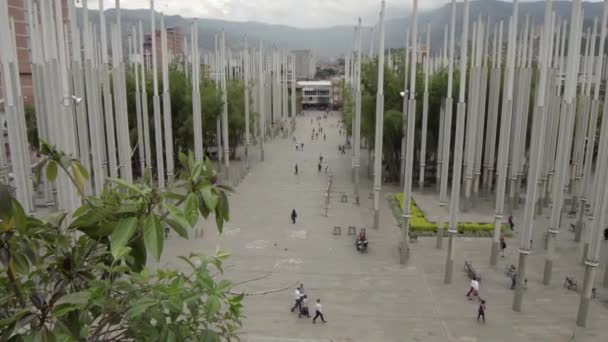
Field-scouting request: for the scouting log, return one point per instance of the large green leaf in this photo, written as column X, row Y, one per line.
column 153, row 236
column 140, row 306
column 210, row 198
column 177, row 220
column 122, row 233
column 223, row 206
column 76, row 298
column 177, row 227
column 51, row 171
column 212, row 306
column 191, row 208
column 126, row 185
column 19, row 215
column 137, row 257
column 210, row 336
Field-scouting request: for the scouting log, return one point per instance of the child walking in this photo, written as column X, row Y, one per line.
column 481, row 313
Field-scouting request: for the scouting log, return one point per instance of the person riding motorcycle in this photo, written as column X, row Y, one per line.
column 361, row 241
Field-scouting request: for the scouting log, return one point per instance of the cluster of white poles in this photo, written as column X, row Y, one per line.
column 562, row 134
column 79, row 78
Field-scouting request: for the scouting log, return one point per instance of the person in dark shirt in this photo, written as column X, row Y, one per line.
column 481, row 313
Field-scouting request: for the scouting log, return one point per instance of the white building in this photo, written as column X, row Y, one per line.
column 315, row 94
column 306, row 64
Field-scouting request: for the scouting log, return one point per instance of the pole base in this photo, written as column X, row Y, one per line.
column 439, row 243
column 376, row 218
column 548, row 272
column 519, row 286
column 494, row 253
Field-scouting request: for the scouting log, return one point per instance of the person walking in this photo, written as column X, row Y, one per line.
column 298, row 298
column 474, row 290
column 503, row 245
column 302, row 146
column 296, row 169
column 324, row 137
column 304, row 307
column 321, row 158
column 318, row 312
column 294, row 215
column 481, row 312
column 319, row 168
column 513, row 279
column 511, row 224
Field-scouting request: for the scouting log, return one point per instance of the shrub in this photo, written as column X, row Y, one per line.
column 419, row 223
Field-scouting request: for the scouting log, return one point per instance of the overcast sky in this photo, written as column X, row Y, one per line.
column 299, row 13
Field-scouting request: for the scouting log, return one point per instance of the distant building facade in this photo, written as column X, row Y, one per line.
column 175, row 46
column 306, row 64
column 17, row 9
column 316, row 94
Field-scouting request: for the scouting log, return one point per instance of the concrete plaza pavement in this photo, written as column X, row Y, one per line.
column 369, row 297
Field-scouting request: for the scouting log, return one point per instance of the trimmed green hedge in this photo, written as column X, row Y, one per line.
column 419, row 223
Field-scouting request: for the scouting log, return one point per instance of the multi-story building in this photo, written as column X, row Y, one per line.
column 175, row 47
column 306, row 64
column 316, row 94
column 18, row 10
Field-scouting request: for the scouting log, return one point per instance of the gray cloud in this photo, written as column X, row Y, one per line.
column 299, row 13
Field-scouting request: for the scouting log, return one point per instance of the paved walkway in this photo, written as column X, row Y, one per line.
column 368, row 297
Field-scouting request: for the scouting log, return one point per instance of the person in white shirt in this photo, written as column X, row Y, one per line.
column 474, row 288
column 298, row 298
column 318, row 312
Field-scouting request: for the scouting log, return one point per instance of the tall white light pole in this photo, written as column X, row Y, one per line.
column 144, row 100
column 246, row 88
column 566, row 126
column 357, row 132
column 262, row 113
column 196, row 95
column 425, row 108
column 224, row 103
column 446, row 130
column 536, row 153
column 158, row 130
column 168, row 125
column 505, row 121
column 379, row 122
column 600, row 202
column 457, row 168
column 409, row 156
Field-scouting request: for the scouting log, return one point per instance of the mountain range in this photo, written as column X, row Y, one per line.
column 335, row 41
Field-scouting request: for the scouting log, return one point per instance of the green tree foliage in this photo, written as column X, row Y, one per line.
column 180, row 89
column 393, row 105
column 84, row 277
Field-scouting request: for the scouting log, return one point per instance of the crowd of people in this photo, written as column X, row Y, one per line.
column 301, row 304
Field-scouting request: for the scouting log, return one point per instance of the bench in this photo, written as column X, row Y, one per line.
column 337, row 230
column 470, row 271
column 352, row 230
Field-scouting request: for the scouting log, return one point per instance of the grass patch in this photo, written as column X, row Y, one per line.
column 420, row 225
